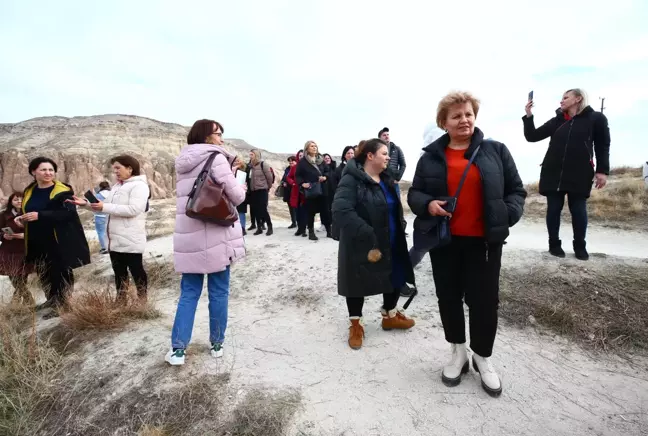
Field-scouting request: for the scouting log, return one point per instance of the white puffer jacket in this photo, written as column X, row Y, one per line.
column 126, row 207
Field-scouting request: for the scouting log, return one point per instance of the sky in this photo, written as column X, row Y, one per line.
column 279, row 73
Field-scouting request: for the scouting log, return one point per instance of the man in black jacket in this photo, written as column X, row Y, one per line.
column 397, row 164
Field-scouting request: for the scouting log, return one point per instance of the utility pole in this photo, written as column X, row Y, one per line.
column 602, row 103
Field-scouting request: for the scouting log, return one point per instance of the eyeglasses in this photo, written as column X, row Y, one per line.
column 219, row 134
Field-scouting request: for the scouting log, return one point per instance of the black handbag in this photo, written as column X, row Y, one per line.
column 314, row 191
column 434, row 232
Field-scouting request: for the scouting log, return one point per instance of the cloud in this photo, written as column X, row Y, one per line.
column 278, row 73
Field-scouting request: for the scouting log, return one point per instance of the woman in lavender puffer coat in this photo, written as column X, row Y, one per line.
column 201, row 248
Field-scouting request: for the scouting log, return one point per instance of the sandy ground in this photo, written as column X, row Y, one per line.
column 288, row 328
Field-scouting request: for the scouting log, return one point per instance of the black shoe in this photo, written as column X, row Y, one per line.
column 259, row 231
column 304, row 235
column 244, row 232
column 406, row 291
column 252, row 227
column 293, row 226
column 46, row 305
column 555, row 248
column 52, row 313
column 580, row 251
column 300, row 232
column 270, row 232
column 312, row 236
column 263, row 227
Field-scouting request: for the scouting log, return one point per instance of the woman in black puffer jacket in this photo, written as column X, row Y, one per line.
column 490, row 201
column 372, row 257
column 578, row 133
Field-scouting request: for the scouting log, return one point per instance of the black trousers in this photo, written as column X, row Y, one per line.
column 259, row 207
column 293, row 214
column 354, row 304
column 468, row 269
column 577, row 207
column 124, row 262
column 56, row 280
column 315, row 206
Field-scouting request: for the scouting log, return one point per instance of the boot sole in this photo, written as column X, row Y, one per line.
column 452, row 382
column 388, row 329
column 355, row 348
column 561, row 255
column 492, row 392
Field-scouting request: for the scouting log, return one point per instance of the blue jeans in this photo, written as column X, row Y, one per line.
column 190, row 290
column 397, row 188
column 242, row 220
column 101, row 223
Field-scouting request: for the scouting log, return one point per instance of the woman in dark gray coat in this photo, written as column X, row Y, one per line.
column 490, row 201
column 373, row 257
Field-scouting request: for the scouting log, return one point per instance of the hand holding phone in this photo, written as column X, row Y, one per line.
column 7, row 231
column 89, row 195
column 529, row 105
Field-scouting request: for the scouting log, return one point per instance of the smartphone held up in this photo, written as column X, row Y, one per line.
column 531, row 96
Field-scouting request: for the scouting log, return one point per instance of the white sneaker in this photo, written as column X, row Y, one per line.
column 176, row 357
column 322, row 228
column 217, row 350
column 489, row 379
column 458, row 365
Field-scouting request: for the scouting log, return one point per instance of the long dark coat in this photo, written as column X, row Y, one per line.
column 361, row 213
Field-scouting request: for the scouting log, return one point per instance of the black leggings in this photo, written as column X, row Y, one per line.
column 259, row 207
column 122, row 263
column 354, row 304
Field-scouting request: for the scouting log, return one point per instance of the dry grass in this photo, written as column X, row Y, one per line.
column 161, row 273
column 623, row 199
column 28, row 367
column 93, row 305
column 190, row 406
column 627, row 171
column 604, row 310
column 262, row 412
column 97, row 309
column 622, row 203
column 532, row 188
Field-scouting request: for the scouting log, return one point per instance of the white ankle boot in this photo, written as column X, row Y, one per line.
column 458, row 365
column 489, row 379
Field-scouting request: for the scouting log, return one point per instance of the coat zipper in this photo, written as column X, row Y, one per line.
column 562, row 168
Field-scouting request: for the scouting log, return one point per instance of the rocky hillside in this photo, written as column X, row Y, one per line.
column 83, row 146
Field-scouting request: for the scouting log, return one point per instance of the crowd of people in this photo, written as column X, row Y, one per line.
column 466, row 194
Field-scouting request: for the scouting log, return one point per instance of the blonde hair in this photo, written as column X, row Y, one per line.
column 307, row 144
column 455, row 97
column 579, row 92
column 257, row 156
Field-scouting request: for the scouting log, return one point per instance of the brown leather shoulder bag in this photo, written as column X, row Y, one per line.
column 208, row 201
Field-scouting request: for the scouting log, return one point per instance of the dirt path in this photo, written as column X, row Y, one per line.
column 288, row 328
